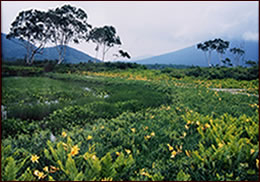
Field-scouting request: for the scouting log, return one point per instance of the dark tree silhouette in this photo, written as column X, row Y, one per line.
column 105, row 38
column 238, row 53
column 67, row 24
column 30, row 28
column 207, row 47
column 221, row 47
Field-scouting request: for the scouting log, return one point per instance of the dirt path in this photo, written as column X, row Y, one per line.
column 233, row 91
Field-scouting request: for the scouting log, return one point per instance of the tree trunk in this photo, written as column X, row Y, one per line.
column 62, row 52
column 104, row 52
column 209, row 58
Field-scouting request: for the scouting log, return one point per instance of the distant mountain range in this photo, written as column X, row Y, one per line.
column 12, row 50
column 192, row 56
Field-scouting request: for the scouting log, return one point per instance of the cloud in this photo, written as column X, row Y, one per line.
column 253, row 36
column 157, row 27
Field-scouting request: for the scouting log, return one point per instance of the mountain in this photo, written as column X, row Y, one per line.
column 13, row 50
column 192, row 56
column 72, row 55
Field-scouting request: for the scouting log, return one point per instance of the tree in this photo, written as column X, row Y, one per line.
column 251, row 63
column 227, row 62
column 207, row 47
column 30, row 28
column 105, row 38
column 67, row 24
column 122, row 54
column 238, row 53
column 221, row 47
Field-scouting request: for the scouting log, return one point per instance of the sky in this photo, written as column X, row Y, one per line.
column 150, row 28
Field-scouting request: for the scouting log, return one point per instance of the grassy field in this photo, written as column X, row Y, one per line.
column 131, row 124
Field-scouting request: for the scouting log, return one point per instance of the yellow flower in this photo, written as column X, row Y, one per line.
column 102, row 127
column 46, row 169
column 94, row 157
column 107, row 179
column 170, row 147
column 36, row 172
column 146, row 128
column 64, row 134
column 252, row 151
column 198, row 123
column 257, row 163
column 152, row 117
column 219, row 99
column 188, row 122
column 152, row 134
column 74, row 150
column 220, row 145
column 247, row 120
column 117, row 153
column 184, row 134
column 35, row 158
column 89, row 137
column 128, row 151
column 39, row 174
column 207, row 125
column 173, row 154
column 133, row 130
column 147, row 137
column 186, row 126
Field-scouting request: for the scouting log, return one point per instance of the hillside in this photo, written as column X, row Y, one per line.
column 13, row 50
column 192, row 56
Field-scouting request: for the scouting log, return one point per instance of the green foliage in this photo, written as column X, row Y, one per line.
column 12, row 70
column 150, row 127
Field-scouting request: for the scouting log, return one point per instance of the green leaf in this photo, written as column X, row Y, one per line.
column 27, row 176
column 181, row 176
column 107, row 166
column 79, row 177
column 71, row 168
column 10, row 170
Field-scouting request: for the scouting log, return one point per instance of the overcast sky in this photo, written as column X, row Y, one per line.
column 154, row 28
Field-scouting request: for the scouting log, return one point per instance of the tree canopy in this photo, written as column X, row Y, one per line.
column 67, row 24
column 105, row 38
column 30, row 27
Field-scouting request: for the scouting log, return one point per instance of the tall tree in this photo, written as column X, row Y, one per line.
column 238, row 53
column 67, row 24
column 30, row 28
column 207, row 47
column 221, row 47
column 105, row 38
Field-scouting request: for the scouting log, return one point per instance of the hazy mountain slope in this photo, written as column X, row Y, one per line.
column 12, row 50
column 193, row 56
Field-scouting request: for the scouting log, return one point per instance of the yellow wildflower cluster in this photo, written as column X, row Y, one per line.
column 147, row 137
column 144, row 173
column 174, row 152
